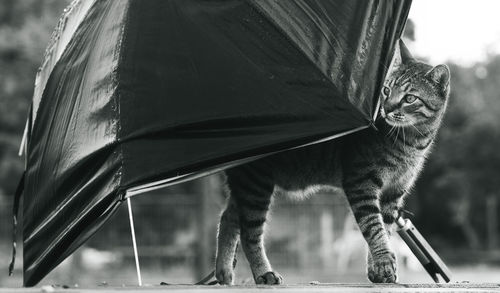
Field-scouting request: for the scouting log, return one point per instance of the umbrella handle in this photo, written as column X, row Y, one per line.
column 429, row 259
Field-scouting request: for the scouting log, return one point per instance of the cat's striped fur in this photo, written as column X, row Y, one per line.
column 374, row 168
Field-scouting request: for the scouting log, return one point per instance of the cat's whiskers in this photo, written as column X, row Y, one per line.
column 428, row 130
column 404, row 139
column 417, row 130
column 391, row 131
column 396, row 136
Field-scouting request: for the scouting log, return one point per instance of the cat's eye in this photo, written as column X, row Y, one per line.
column 386, row 91
column 410, row 99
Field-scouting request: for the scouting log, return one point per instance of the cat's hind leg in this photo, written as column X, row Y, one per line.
column 252, row 189
column 227, row 242
column 252, row 222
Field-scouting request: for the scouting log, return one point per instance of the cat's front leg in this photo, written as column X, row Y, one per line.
column 363, row 198
column 391, row 201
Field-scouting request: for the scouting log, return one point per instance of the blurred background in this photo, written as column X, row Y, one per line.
column 455, row 202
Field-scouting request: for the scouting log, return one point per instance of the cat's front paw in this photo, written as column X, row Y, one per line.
column 269, row 278
column 382, row 269
column 225, row 276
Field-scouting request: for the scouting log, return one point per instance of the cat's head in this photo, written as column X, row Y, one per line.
column 414, row 92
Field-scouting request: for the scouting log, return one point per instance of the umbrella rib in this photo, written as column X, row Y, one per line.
column 134, row 242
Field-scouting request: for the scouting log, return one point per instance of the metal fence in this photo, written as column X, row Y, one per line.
column 314, row 239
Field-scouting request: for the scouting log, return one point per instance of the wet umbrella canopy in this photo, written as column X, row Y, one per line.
column 137, row 94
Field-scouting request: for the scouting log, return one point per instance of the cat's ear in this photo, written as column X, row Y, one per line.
column 396, row 60
column 440, row 75
column 406, row 56
column 401, row 55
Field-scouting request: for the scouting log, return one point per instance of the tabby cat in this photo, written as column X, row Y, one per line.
column 375, row 168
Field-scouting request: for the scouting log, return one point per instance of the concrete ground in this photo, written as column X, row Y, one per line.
column 309, row 288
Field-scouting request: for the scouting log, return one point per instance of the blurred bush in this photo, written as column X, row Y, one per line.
column 25, row 29
column 457, row 195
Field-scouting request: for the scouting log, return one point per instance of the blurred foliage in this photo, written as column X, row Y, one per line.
column 463, row 170
column 25, row 28
column 450, row 197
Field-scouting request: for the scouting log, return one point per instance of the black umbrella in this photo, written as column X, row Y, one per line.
column 138, row 94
